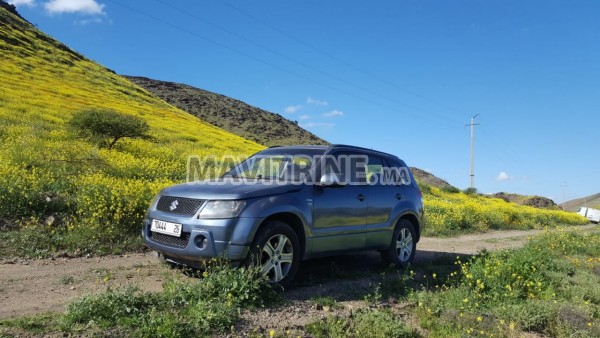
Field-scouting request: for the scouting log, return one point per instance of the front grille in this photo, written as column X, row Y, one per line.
column 179, row 205
column 180, row 242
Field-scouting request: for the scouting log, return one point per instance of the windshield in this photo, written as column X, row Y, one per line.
column 276, row 165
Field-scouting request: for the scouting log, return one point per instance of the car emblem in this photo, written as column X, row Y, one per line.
column 173, row 205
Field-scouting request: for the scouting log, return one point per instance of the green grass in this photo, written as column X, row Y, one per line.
column 375, row 323
column 202, row 307
column 550, row 286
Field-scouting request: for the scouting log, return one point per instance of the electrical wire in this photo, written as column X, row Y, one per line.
column 301, row 63
column 282, row 69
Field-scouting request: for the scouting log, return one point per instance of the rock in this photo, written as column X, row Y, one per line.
column 50, row 220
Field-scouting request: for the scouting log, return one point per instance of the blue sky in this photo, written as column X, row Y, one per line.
column 404, row 77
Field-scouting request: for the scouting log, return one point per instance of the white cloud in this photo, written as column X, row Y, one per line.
column 316, row 102
column 318, row 125
column 503, row 176
column 304, row 117
column 334, row 113
column 291, row 109
column 74, row 6
column 27, row 3
column 87, row 21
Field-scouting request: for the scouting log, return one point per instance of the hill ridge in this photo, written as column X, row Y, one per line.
column 228, row 113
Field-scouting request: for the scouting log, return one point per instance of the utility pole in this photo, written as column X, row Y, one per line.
column 472, row 125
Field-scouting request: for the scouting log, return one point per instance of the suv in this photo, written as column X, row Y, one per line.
column 287, row 204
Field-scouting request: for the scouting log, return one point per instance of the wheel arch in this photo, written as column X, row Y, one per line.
column 414, row 220
column 293, row 221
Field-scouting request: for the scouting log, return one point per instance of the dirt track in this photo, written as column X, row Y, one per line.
column 38, row 286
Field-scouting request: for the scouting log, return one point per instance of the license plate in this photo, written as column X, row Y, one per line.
column 167, row 228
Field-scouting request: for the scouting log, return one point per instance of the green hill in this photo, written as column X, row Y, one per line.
column 230, row 114
column 82, row 197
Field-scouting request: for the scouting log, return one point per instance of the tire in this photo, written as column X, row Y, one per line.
column 276, row 250
column 403, row 245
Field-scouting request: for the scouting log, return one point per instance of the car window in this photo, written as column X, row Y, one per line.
column 374, row 170
column 349, row 167
column 396, row 173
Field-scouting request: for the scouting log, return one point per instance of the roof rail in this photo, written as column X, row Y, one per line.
column 359, row 148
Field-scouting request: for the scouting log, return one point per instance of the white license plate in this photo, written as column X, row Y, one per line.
column 167, row 228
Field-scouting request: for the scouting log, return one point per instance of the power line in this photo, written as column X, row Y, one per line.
column 333, row 57
column 299, row 62
column 224, row 46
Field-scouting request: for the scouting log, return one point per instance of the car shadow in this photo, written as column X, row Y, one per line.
column 357, row 275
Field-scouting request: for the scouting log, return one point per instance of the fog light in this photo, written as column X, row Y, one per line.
column 201, row 241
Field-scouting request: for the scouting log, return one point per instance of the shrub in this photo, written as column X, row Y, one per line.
column 203, row 307
column 470, row 191
column 106, row 127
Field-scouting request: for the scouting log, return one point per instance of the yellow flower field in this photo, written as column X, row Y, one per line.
column 448, row 213
column 46, row 169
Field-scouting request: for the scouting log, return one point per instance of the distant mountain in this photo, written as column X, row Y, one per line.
column 589, row 201
column 532, row 201
column 423, row 177
column 230, row 114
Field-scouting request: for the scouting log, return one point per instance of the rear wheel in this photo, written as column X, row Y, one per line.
column 403, row 246
column 276, row 250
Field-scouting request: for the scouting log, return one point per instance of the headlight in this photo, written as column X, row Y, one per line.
column 222, row 209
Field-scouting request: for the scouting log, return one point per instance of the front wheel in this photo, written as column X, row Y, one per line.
column 403, row 246
column 276, row 250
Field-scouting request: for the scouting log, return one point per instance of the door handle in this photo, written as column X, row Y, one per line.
column 361, row 197
column 398, row 196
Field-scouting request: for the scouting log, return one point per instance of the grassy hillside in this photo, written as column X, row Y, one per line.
column 450, row 213
column 230, row 114
column 592, row 201
column 426, row 178
column 49, row 175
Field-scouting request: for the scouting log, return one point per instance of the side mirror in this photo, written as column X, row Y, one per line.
column 331, row 180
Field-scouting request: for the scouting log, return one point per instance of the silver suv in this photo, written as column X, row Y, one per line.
column 287, row 204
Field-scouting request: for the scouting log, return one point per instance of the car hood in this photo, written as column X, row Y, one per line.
column 228, row 190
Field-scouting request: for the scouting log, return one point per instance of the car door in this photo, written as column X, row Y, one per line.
column 382, row 198
column 339, row 210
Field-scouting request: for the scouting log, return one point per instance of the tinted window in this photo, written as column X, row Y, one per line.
column 374, row 170
column 349, row 167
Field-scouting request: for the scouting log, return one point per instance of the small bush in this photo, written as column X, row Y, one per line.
column 106, row 127
column 470, row 191
column 450, row 189
column 200, row 308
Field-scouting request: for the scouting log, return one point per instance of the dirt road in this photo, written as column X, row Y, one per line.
column 38, row 286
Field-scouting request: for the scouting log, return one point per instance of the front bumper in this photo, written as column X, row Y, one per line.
column 202, row 239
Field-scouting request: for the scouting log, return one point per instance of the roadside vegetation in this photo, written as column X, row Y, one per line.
column 454, row 212
column 199, row 307
column 549, row 287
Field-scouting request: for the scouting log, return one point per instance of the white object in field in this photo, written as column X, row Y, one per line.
column 591, row 214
